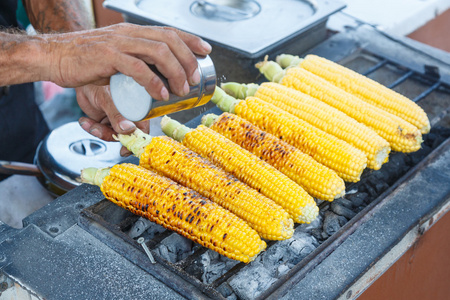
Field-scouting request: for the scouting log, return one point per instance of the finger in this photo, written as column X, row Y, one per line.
column 101, row 82
column 181, row 51
column 139, row 70
column 160, row 55
column 101, row 131
column 84, row 96
column 195, row 43
column 169, row 55
column 118, row 122
column 86, row 123
column 125, row 152
column 144, row 126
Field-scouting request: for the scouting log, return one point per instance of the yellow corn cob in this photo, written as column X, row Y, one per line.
column 324, row 117
column 401, row 135
column 247, row 167
column 170, row 158
column 368, row 90
column 328, row 150
column 347, row 161
column 315, row 178
column 177, row 208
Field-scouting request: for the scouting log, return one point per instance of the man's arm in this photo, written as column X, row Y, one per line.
column 58, row 15
column 20, row 58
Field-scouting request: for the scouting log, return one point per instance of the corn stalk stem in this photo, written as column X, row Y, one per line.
column 288, row 60
column 94, row 176
column 174, row 129
column 135, row 142
column 240, row 90
column 271, row 70
column 209, row 119
column 225, row 102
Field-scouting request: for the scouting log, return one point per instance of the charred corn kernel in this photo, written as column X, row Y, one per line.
column 401, row 135
column 170, row 158
column 367, row 90
column 246, row 167
column 347, row 161
column 177, row 208
column 318, row 180
column 328, row 119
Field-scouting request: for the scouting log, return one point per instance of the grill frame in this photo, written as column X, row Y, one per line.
column 432, row 79
column 315, row 276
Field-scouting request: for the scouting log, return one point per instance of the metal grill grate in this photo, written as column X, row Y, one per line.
column 426, row 89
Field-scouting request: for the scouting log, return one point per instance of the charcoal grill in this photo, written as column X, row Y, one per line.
column 83, row 247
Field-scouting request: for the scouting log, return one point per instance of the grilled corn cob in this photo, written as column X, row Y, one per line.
column 401, row 135
column 177, row 208
column 364, row 88
column 246, row 167
column 315, row 178
column 347, row 161
column 320, row 115
column 170, row 158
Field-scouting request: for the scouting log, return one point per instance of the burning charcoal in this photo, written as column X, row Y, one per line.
column 331, row 223
column 395, row 166
column 418, row 156
column 216, row 266
column 214, row 271
column 139, row 227
column 380, row 187
column 198, row 266
column 300, row 249
column 214, row 255
column 429, row 142
column 225, row 289
column 317, row 223
column 438, row 139
column 251, row 281
column 370, row 190
column 379, row 175
column 357, row 198
column 342, row 210
column 153, row 230
column 299, row 235
column 178, row 247
column 324, row 235
column 282, row 269
column 317, row 233
column 360, row 208
column 275, row 255
column 165, row 254
column 342, row 220
column 372, row 180
column 344, row 202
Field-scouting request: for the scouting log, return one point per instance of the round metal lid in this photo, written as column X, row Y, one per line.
column 68, row 149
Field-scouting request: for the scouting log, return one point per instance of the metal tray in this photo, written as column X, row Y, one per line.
column 249, row 27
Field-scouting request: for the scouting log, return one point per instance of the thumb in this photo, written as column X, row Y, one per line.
column 118, row 122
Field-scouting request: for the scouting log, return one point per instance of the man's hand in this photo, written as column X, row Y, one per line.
column 103, row 120
column 79, row 58
column 92, row 56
